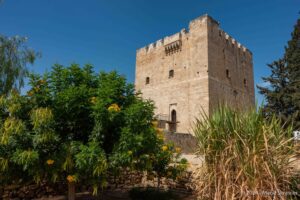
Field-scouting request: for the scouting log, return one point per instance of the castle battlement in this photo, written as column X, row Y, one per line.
column 185, row 33
column 163, row 42
column 233, row 41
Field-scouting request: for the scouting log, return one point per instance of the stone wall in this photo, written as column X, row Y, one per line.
column 186, row 54
column 185, row 141
column 127, row 180
column 31, row 190
column 230, row 70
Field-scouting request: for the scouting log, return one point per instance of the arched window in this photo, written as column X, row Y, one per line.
column 172, row 124
column 147, row 80
column 171, row 73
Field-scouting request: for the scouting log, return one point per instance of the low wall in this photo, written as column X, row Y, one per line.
column 31, row 190
column 185, row 141
column 127, row 180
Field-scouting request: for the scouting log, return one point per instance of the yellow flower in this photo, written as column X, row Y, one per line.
column 30, row 93
column 178, row 149
column 129, row 152
column 93, row 100
column 37, row 89
column 114, row 108
column 164, row 148
column 155, row 123
column 161, row 136
column 159, row 130
column 41, row 81
column 71, row 178
column 50, row 162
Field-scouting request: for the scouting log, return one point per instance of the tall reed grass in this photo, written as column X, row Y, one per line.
column 246, row 157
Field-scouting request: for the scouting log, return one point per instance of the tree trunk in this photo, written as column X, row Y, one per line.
column 71, row 191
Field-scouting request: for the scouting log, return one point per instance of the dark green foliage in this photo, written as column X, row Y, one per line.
column 277, row 93
column 71, row 89
column 75, row 125
column 283, row 91
column 136, row 138
column 112, row 89
column 14, row 56
column 292, row 56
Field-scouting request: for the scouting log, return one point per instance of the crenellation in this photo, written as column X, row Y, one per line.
column 227, row 38
column 184, row 32
column 198, row 21
column 172, row 38
column 239, row 45
column 160, row 43
column 163, row 42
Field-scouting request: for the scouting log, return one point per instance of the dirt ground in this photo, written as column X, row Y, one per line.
column 109, row 195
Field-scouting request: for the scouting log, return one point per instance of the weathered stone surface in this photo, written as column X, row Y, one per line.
column 185, row 141
column 31, row 190
column 209, row 67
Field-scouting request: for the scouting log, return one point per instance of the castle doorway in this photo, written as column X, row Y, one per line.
column 172, row 124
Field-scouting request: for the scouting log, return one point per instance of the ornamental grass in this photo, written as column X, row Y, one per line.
column 245, row 157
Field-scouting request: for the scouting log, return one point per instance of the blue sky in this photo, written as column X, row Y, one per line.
column 106, row 33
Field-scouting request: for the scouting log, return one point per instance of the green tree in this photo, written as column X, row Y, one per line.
column 277, row 91
column 14, row 57
column 283, row 91
column 292, row 56
column 74, row 126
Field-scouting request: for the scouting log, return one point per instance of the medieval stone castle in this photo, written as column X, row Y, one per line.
column 192, row 71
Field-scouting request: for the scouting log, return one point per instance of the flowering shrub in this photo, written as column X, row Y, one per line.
column 74, row 125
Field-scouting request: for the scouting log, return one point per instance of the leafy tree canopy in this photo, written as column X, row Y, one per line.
column 14, row 57
column 75, row 125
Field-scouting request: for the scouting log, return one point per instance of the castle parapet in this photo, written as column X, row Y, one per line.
column 235, row 44
column 169, row 42
column 175, row 40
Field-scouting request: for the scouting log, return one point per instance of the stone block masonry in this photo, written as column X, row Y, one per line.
column 192, row 71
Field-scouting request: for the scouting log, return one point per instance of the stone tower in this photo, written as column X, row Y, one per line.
column 192, row 71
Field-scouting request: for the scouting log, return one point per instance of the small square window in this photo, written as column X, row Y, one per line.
column 227, row 73
column 147, row 80
column 171, row 73
column 245, row 83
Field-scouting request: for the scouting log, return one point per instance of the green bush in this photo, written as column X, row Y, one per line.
column 75, row 126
